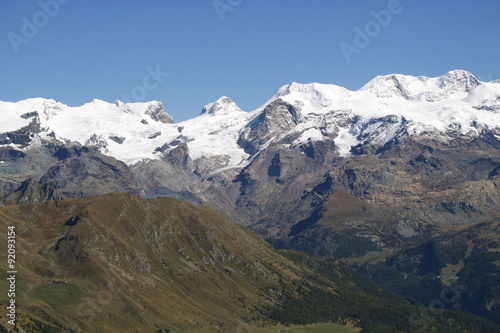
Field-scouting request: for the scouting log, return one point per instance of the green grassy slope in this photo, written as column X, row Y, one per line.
column 119, row 263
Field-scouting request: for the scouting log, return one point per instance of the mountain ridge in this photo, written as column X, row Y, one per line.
column 203, row 156
column 134, row 132
column 317, row 168
column 118, row 262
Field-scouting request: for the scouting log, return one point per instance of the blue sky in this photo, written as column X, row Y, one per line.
column 188, row 53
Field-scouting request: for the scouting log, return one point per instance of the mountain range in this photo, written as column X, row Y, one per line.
column 364, row 176
column 413, row 129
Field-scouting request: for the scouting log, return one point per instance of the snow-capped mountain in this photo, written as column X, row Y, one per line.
column 253, row 166
column 453, row 104
column 317, row 168
column 121, row 130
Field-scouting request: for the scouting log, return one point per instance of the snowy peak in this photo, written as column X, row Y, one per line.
column 394, row 85
column 458, row 81
column 122, row 130
column 312, row 97
column 222, row 106
column 422, row 88
column 153, row 109
column 311, row 90
column 295, row 87
column 49, row 109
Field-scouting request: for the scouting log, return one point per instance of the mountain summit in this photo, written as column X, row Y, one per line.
column 422, row 88
column 222, row 106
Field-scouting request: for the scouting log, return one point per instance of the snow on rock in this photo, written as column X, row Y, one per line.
column 222, row 106
column 422, row 88
column 450, row 105
column 215, row 131
column 345, row 141
column 313, row 97
column 120, row 129
column 453, row 104
column 458, row 81
column 310, row 134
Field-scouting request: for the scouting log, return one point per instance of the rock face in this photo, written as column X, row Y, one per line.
column 72, row 169
column 22, row 137
column 406, row 191
column 83, row 171
column 276, row 119
column 157, row 112
column 31, row 191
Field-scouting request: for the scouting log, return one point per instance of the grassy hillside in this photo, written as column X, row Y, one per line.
column 119, row 263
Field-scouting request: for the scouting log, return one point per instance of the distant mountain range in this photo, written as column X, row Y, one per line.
column 357, row 175
column 305, row 134
column 455, row 104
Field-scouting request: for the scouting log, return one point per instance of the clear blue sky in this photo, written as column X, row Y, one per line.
column 105, row 49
